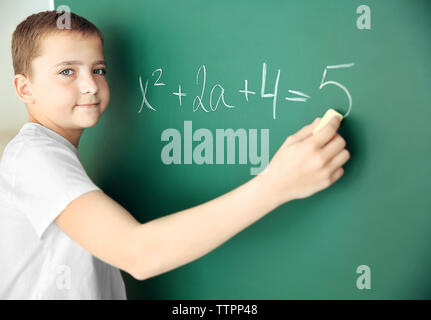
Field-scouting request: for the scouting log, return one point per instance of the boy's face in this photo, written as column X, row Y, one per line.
column 68, row 74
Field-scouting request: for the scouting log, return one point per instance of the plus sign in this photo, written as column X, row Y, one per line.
column 246, row 92
column 179, row 93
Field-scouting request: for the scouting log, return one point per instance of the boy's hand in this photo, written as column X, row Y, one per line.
column 307, row 163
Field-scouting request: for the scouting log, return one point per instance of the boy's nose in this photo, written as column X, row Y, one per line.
column 88, row 85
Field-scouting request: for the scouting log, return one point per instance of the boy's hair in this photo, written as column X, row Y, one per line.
column 26, row 38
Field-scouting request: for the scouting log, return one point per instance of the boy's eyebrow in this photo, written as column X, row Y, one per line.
column 76, row 62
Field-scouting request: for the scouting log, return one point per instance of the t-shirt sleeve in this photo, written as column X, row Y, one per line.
column 48, row 177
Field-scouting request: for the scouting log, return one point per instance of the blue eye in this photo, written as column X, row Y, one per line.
column 100, row 69
column 64, row 74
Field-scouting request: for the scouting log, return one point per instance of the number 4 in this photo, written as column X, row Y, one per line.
column 324, row 83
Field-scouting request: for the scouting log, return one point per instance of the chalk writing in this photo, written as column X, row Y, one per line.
column 217, row 96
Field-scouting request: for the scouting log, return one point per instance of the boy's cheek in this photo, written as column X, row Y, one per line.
column 104, row 94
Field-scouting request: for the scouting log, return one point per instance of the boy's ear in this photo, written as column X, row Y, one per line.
column 22, row 87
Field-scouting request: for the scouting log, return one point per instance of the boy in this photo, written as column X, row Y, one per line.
column 60, row 76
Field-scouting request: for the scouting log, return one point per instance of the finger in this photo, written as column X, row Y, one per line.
column 303, row 133
column 325, row 134
column 339, row 160
column 334, row 147
column 337, row 175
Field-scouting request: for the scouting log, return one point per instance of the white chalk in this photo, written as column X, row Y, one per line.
column 326, row 118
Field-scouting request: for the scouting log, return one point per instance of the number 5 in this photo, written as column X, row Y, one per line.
column 322, row 84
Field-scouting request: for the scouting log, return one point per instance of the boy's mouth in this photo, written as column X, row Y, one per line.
column 90, row 105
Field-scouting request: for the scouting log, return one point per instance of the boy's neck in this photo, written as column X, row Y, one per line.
column 73, row 136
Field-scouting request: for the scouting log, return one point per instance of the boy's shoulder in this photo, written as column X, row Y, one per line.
column 35, row 139
column 37, row 150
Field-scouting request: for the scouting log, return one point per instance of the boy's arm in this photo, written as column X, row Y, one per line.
column 304, row 165
column 108, row 231
column 102, row 227
column 187, row 235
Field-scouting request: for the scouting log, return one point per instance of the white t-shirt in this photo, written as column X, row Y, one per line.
column 40, row 173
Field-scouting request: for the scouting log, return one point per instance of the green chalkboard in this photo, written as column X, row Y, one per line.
column 377, row 215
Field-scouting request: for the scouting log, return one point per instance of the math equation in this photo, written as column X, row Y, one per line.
column 217, row 94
